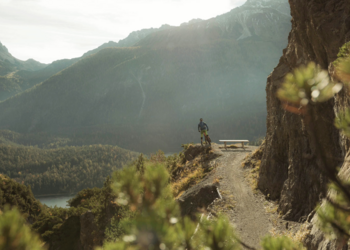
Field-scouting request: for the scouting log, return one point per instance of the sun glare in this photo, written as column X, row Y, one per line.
column 50, row 30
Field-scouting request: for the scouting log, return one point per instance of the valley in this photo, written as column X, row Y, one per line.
column 85, row 143
column 148, row 91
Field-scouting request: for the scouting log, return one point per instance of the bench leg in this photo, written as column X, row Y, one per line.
column 225, row 145
column 243, row 145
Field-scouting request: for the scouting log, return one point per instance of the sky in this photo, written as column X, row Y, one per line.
column 48, row 30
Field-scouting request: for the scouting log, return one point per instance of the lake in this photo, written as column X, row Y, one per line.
column 61, row 201
column 51, row 201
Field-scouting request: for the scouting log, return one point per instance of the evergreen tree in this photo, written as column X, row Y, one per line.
column 15, row 234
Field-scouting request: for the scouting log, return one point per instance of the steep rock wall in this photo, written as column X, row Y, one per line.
column 316, row 240
column 288, row 171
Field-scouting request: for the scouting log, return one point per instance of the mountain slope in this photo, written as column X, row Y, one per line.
column 132, row 39
column 15, row 79
column 8, row 63
column 152, row 96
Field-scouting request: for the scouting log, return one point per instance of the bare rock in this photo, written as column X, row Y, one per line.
column 197, row 198
column 319, row 29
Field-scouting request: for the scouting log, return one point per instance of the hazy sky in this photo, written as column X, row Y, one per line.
column 48, row 30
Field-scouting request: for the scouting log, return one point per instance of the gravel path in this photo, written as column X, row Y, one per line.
column 248, row 215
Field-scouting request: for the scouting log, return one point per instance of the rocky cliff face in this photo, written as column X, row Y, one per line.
column 288, row 171
column 256, row 20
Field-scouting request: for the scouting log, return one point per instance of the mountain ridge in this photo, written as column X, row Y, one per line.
column 6, row 57
column 133, row 96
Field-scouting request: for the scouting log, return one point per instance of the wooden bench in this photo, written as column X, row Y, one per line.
column 238, row 141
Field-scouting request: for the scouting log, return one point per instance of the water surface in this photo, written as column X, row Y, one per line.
column 59, row 201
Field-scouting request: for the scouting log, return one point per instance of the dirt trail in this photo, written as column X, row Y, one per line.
column 249, row 216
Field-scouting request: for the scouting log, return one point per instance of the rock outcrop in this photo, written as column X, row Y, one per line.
column 319, row 29
column 197, row 198
column 316, row 240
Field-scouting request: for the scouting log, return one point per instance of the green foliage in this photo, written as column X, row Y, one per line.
column 17, row 195
column 344, row 51
column 49, row 221
column 280, row 243
column 186, row 146
column 140, row 164
column 343, row 64
column 62, row 170
column 116, row 229
column 53, row 223
column 308, row 84
column 218, row 234
column 157, row 223
column 334, row 214
column 136, row 211
column 15, row 234
column 342, row 122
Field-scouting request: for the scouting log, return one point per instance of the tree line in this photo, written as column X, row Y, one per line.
column 62, row 170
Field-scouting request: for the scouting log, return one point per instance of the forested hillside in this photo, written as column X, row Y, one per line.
column 152, row 96
column 62, row 170
column 17, row 76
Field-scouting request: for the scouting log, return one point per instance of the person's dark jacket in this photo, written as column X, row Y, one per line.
column 203, row 126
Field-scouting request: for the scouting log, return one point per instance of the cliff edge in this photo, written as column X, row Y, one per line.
column 319, row 29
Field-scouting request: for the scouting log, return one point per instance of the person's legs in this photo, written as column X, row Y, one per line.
column 205, row 134
column 202, row 132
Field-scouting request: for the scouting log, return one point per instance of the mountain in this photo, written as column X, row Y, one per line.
column 8, row 63
column 152, row 95
column 18, row 81
column 132, row 39
column 17, row 76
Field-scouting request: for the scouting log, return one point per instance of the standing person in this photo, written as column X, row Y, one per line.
column 203, row 128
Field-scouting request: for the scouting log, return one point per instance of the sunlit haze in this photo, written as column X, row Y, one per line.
column 55, row 29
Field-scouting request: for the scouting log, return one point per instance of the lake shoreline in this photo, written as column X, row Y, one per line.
column 54, row 195
column 56, row 200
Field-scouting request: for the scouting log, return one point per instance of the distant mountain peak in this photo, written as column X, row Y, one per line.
column 16, row 64
column 3, row 48
column 198, row 20
column 279, row 5
column 265, row 2
column 5, row 55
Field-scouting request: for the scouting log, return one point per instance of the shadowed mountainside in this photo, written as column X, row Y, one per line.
column 17, row 76
column 152, row 95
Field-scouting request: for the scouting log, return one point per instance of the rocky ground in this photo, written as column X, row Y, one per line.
column 251, row 214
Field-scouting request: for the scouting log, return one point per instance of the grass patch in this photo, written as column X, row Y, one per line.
column 187, row 181
column 252, row 177
column 271, row 208
column 216, row 181
column 253, row 162
column 187, row 171
column 297, row 237
column 223, row 205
